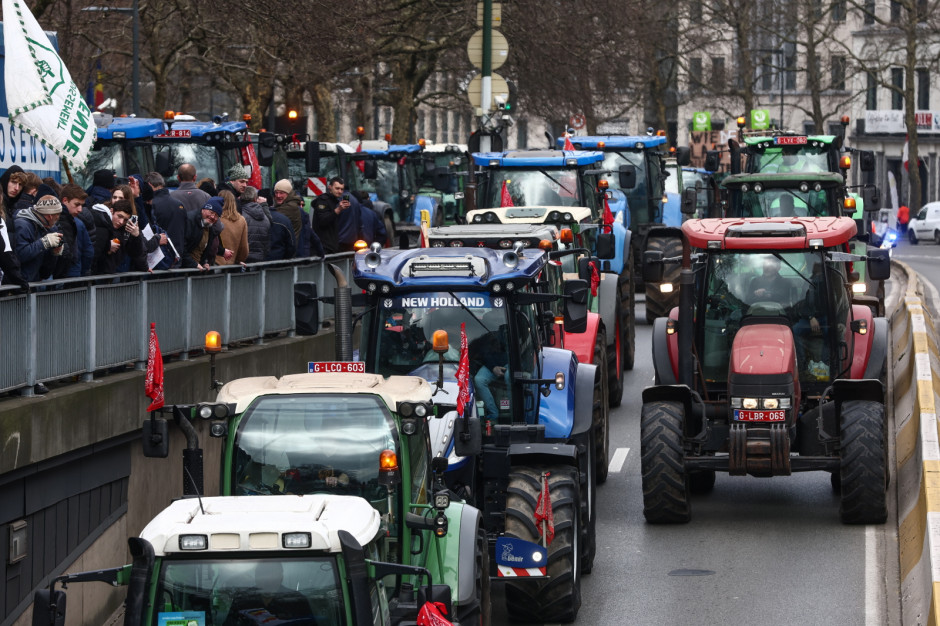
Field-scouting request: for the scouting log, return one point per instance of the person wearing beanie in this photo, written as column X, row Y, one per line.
column 102, row 182
column 289, row 204
column 38, row 242
column 236, row 179
column 201, row 240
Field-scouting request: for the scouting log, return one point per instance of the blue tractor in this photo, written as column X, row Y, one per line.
column 526, row 435
column 565, row 189
column 636, row 166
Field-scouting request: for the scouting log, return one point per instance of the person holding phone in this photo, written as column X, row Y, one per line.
column 118, row 236
column 333, row 215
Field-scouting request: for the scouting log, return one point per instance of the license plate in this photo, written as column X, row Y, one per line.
column 335, row 367
column 789, row 141
column 745, row 415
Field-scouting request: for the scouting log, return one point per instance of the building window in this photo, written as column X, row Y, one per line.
column 766, row 73
column 868, row 11
column 895, row 12
column 789, row 64
column 718, row 73
column 695, row 75
column 838, row 73
column 897, row 91
column 838, row 11
column 871, row 92
column 923, row 89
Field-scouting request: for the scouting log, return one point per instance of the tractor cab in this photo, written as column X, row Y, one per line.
column 800, row 194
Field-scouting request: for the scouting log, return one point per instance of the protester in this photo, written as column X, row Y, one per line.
column 118, row 237
column 11, row 186
column 327, row 209
column 234, row 236
column 283, row 244
column 10, row 273
column 236, row 180
column 79, row 255
column 38, row 242
column 187, row 193
column 201, row 242
column 258, row 224
column 208, row 185
column 169, row 214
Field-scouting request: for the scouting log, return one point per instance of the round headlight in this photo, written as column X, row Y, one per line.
column 745, row 188
column 804, row 187
column 421, row 410
column 490, row 217
column 386, row 288
column 205, row 412
column 497, row 287
column 372, row 287
column 758, row 187
column 477, row 218
column 568, row 217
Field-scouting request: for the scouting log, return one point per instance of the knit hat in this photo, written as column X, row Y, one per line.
column 146, row 191
column 236, row 172
column 215, row 204
column 104, row 178
column 284, row 185
column 48, row 205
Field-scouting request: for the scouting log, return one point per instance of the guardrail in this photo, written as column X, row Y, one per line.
column 78, row 326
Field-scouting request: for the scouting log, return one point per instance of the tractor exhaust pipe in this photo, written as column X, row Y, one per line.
column 342, row 314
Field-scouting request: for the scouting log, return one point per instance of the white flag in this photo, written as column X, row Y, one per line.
column 41, row 97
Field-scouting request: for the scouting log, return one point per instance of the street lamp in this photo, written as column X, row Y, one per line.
column 134, row 11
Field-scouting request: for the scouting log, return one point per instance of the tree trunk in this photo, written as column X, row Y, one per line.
column 910, row 106
column 323, row 106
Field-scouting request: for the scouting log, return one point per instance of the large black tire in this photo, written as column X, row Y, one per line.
column 588, row 475
column 665, row 483
column 480, row 612
column 601, row 412
column 614, row 361
column 864, row 463
column 390, row 237
column 626, row 284
column 658, row 303
column 557, row 598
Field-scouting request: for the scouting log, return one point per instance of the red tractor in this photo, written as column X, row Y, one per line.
column 766, row 367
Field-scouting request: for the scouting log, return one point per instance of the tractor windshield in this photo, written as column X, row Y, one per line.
column 203, row 156
column 387, row 186
column 314, row 443
column 223, row 591
column 797, row 158
column 638, row 196
column 125, row 158
column 783, row 203
column 532, row 187
column 790, row 288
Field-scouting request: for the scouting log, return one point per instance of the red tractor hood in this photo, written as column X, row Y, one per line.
column 763, row 349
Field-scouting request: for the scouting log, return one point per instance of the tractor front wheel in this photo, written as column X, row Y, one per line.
column 864, row 463
column 665, row 483
column 601, row 410
column 480, row 612
column 557, row 598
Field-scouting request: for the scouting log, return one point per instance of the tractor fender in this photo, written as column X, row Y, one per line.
column 621, row 235
column 618, row 207
column 582, row 344
column 457, row 548
column 584, row 399
column 608, row 292
column 878, row 356
column 556, row 410
column 845, row 389
column 665, row 354
column 543, row 453
column 691, row 401
column 862, row 351
column 661, row 230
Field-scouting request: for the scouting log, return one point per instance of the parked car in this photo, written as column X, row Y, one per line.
column 926, row 225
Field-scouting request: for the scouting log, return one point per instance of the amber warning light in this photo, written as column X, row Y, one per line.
column 213, row 341
column 336, row 367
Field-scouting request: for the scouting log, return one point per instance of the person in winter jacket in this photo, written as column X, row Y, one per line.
column 38, row 242
column 234, row 237
column 258, row 223
column 10, row 188
column 201, row 240
column 29, row 194
column 236, row 180
column 118, row 237
column 169, row 214
column 332, row 212
column 79, row 255
column 283, row 245
column 10, row 273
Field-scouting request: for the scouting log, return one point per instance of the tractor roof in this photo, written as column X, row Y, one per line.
column 502, row 231
column 787, row 180
column 377, row 149
column 184, row 130
column 435, row 269
column 537, row 214
column 636, row 142
column 537, row 158
column 394, row 389
column 258, row 523
column 132, row 127
column 789, row 139
column 790, row 233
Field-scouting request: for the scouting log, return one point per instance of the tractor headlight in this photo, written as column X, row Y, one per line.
column 785, row 403
column 477, row 218
column 735, row 403
column 859, row 288
column 771, row 403
column 194, row 542
column 296, row 540
column 665, row 287
column 748, row 403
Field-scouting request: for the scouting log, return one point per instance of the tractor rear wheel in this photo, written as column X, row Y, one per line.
column 601, row 410
column 665, row 484
column 557, row 598
column 658, row 303
column 480, row 611
column 628, row 317
column 864, row 463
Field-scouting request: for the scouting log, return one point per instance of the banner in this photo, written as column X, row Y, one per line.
column 41, row 97
column 760, row 119
column 701, row 121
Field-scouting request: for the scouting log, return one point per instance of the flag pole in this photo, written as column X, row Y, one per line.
column 68, row 171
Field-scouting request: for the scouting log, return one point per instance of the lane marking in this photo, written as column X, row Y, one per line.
column 873, row 589
column 619, row 458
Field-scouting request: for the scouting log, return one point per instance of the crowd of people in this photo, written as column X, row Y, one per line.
column 138, row 224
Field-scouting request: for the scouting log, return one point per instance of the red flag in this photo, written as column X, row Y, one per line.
column 543, row 512
column 432, row 614
column 595, row 279
column 904, row 154
column 608, row 216
column 568, row 144
column 360, row 163
column 463, row 372
column 504, row 198
column 153, row 383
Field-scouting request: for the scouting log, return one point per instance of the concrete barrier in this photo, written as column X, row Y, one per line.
column 914, row 354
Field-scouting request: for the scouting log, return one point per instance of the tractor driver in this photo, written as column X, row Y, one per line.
column 770, row 286
column 489, row 355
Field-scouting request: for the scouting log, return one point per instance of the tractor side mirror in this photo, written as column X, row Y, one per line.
column 267, row 143
column 627, row 176
column 683, row 156
column 312, row 157
column 161, row 163
column 712, row 160
column 866, row 160
column 689, row 200
column 48, row 609
column 584, row 267
column 871, row 197
column 879, row 264
column 606, row 246
column 734, row 149
column 370, row 170
column 653, row 266
column 468, row 443
column 575, row 309
column 155, row 438
column 306, row 312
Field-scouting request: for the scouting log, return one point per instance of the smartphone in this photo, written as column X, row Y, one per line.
column 133, row 219
column 346, row 196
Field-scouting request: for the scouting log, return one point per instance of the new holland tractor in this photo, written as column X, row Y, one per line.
column 520, row 437
column 563, row 189
column 766, row 367
column 338, row 430
column 218, row 561
column 636, row 166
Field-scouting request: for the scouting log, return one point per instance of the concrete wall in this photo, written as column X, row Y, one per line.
column 40, row 430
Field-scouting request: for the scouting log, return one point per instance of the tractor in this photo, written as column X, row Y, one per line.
column 766, row 367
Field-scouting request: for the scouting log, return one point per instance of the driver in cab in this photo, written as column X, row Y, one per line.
column 770, row 286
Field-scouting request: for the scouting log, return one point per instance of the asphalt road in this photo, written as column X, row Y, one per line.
column 757, row 551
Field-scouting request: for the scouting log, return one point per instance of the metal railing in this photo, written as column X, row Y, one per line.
column 78, row 326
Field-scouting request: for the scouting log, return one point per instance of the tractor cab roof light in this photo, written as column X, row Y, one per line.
column 845, row 162
column 815, row 243
column 571, row 162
